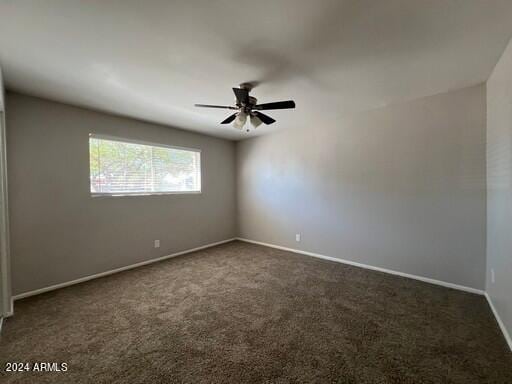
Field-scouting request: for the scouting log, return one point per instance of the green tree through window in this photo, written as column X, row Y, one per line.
column 118, row 167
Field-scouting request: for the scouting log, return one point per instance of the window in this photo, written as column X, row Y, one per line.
column 129, row 168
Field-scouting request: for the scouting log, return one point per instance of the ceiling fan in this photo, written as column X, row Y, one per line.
column 247, row 106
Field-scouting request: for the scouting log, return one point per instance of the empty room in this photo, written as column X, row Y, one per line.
column 281, row 191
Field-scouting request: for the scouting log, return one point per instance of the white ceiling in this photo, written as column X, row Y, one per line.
column 153, row 60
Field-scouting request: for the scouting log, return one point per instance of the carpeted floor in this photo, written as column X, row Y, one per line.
column 243, row 313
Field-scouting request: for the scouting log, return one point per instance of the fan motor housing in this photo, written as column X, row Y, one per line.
column 252, row 102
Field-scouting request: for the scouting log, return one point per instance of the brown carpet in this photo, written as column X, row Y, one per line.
column 242, row 313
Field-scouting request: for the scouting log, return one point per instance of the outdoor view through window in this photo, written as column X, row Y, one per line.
column 122, row 168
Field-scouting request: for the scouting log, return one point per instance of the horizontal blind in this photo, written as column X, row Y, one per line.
column 118, row 167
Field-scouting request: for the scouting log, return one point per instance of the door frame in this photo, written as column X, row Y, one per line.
column 6, row 304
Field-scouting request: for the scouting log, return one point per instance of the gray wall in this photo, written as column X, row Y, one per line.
column 401, row 187
column 499, row 187
column 59, row 233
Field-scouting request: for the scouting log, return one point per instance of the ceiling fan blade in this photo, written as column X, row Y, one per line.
column 266, row 119
column 229, row 119
column 214, row 106
column 242, row 95
column 277, row 105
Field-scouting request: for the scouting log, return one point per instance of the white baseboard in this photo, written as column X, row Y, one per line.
column 500, row 323
column 97, row 275
column 506, row 335
column 366, row 266
column 317, row 255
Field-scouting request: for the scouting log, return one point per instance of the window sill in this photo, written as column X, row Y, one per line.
column 96, row 195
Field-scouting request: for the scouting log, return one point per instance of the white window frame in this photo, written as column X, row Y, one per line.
column 153, row 144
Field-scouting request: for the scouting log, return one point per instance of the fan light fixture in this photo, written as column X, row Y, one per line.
column 255, row 121
column 240, row 120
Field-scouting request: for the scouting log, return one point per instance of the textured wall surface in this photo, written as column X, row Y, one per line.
column 60, row 233
column 499, row 187
column 400, row 187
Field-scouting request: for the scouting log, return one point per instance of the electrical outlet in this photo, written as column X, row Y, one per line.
column 157, row 243
column 297, row 237
column 493, row 277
